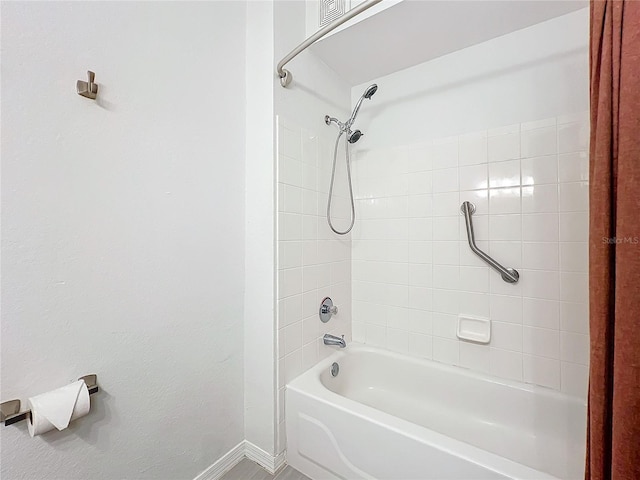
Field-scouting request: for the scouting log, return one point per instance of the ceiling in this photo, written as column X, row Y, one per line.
column 415, row 31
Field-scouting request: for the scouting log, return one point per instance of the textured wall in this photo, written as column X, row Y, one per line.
column 122, row 237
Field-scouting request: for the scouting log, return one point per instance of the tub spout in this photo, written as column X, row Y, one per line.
column 333, row 340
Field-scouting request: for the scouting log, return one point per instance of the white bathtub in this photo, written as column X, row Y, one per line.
column 391, row 417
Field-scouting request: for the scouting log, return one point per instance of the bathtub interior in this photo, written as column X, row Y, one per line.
column 533, row 426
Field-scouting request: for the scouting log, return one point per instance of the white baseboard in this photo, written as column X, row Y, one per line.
column 267, row 461
column 224, row 464
column 236, row 454
column 280, row 461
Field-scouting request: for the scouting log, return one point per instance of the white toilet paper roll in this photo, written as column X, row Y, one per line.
column 55, row 409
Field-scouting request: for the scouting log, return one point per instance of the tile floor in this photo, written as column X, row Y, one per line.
column 248, row 470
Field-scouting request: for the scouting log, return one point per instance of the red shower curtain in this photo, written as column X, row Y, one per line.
column 613, row 444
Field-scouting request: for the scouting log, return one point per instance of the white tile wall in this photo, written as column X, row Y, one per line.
column 413, row 272
column 313, row 263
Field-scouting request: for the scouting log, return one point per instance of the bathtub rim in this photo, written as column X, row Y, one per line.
column 355, row 347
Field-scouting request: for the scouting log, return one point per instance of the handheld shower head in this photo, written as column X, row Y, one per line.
column 368, row 93
column 351, row 137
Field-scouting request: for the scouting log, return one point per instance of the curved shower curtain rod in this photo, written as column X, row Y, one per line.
column 285, row 75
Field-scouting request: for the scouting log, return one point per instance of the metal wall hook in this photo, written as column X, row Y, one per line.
column 10, row 410
column 88, row 89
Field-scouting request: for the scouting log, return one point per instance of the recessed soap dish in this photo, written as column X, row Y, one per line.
column 474, row 329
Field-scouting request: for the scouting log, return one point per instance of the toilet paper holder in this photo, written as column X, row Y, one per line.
column 10, row 410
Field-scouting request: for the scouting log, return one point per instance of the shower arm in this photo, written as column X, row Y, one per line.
column 285, row 75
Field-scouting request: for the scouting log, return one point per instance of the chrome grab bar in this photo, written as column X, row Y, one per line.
column 285, row 75
column 509, row 275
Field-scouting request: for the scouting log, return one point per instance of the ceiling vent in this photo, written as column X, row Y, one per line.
column 330, row 10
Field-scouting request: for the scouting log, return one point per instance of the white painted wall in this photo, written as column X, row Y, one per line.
column 312, row 262
column 260, row 328
column 534, row 73
column 122, row 233
column 502, row 124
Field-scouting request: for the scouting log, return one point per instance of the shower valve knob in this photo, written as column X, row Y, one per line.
column 332, row 310
column 327, row 309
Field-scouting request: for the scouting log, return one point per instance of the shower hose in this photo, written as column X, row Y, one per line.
column 333, row 176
